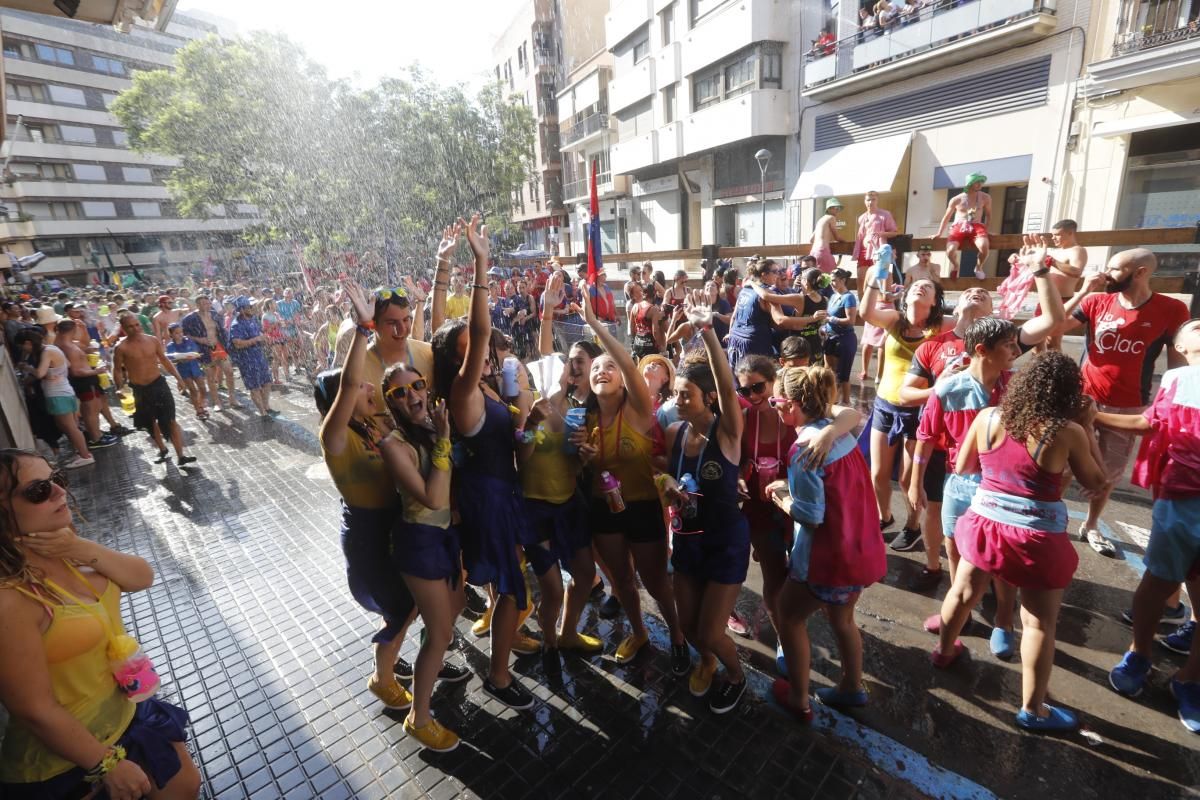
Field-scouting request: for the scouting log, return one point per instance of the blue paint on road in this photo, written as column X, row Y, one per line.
column 891, row 757
column 1133, row 560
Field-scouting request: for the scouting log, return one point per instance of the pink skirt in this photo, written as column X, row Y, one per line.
column 1023, row 557
column 876, row 336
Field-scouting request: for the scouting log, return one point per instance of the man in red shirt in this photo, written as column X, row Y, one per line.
column 1127, row 327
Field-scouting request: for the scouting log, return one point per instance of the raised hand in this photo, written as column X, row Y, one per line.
column 449, row 241
column 698, row 309
column 553, row 293
column 477, row 236
column 589, row 314
column 363, row 305
column 440, row 418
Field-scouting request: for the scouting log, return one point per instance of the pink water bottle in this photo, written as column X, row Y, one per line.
column 612, row 492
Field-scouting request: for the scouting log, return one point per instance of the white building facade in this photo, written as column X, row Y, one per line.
column 73, row 188
column 698, row 88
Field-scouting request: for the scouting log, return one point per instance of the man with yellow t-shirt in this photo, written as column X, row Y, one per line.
column 393, row 344
column 459, row 301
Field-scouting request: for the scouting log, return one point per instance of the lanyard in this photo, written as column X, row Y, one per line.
column 683, row 445
column 778, row 442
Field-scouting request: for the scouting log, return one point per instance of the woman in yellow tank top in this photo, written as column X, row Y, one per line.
column 71, row 728
column 919, row 316
column 620, row 444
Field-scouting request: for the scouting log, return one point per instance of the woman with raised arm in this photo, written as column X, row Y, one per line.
column 625, row 515
column 920, row 317
column 425, row 545
column 353, row 431
column 74, row 726
column 712, row 539
column 488, row 488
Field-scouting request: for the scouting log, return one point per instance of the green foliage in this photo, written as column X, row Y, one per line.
column 254, row 120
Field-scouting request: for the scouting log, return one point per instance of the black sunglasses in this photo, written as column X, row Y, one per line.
column 39, row 492
column 753, row 388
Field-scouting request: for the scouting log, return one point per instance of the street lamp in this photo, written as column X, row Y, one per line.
column 763, row 157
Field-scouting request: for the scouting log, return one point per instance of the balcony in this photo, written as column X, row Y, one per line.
column 730, row 29
column 762, row 112
column 580, row 190
column 634, row 153
column 941, row 35
column 623, row 18
column 631, row 86
column 584, row 131
column 670, row 141
column 1155, row 43
column 52, row 228
column 668, row 66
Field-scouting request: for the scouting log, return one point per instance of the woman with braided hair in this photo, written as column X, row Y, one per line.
column 1016, row 527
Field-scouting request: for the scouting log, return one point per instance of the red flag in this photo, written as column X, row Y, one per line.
column 593, row 239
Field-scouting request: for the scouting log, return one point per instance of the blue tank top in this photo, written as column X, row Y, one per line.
column 718, row 478
column 751, row 322
column 492, row 451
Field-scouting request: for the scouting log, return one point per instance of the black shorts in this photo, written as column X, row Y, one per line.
column 641, row 522
column 155, row 403
column 935, row 476
column 87, row 388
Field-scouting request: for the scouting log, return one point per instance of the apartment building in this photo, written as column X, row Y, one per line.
column 911, row 109
column 699, row 87
column 1133, row 151
column 72, row 187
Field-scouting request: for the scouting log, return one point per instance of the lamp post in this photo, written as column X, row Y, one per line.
column 763, row 157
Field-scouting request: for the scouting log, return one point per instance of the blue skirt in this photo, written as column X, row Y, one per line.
column 374, row 583
column 563, row 526
column 427, row 551
column 493, row 524
column 149, row 742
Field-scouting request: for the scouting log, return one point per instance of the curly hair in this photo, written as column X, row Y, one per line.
column 1042, row 398
column 14, row 566
column 757, row 363
column 812, row 389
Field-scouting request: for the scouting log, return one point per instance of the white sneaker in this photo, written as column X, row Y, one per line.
column 980, row 274
column 1097, row 541
column 80, row 461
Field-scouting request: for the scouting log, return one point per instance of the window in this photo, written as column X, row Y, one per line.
column 641, row 50
column 77, row 134
column 51, row 210
column 99, row 209
column 141, row 209
column 66, row 96
column 107, row 99
column 753, row 68
column 635, row 120
column 51, row 247
column 666, row 22
column 89, row 172
column 706, row 89
column 109, row 65
column 772, row 70
column 54, row 55
column 54, row 171
column 247, row 209
column 668, row 104
column 740, row 76
column 702, row 8
column 24, row 170
column 136, row 175
column 120, row 138
column 31, row 92
column 23, row 50
column 36, row 133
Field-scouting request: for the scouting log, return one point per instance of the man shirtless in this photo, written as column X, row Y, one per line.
column 137, row 359
column 825, row 235
column 167, row 316
column 85, row 381
column 1067, row 260
column 970, row 211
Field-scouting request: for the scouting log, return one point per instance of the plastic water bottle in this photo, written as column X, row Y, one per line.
column 612, row 492
column 511, row 386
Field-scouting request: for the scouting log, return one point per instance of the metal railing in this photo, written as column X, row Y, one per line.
column 583, row 187
column 585, row 127
column 1154, row 34
column 930, row 26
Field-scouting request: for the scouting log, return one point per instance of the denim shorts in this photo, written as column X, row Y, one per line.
column 957, row 494
column 1174, row 539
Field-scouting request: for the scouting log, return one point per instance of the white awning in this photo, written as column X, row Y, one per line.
column 1145, row 122
column 853, row 169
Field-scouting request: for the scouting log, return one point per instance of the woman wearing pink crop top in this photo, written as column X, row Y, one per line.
column 1016, row 528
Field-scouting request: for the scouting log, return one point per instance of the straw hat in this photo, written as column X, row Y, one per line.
column 655, row 358
column 45, row 315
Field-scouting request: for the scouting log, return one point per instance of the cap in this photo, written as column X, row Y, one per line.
column 925, row 248
column 174, row 326
column 833, row 202
column 242, row 301
column 165, row 298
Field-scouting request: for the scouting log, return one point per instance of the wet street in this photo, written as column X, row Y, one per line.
column 255, row 634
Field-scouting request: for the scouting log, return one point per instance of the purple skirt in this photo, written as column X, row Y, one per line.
column 149, row 742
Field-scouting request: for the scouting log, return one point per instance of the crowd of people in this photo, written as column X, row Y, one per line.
column 709, row 429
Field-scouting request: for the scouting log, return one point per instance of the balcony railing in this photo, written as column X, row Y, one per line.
column 1154, row 25
column 932, row 25
column 583, row 187
column 585, row 127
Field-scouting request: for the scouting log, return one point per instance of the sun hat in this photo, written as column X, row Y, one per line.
column 975, row 177
column 833, row 202
column 45, row 315
column 655, row 358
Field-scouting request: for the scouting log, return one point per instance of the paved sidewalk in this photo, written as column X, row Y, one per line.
column 255, row 634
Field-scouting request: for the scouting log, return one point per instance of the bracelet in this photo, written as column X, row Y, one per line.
column 1041, row 272
column 1049, row 262
column 479, row 286
column 364, row 330
column 920, row 459
column 113, row 756
column 368, row 324
column 441, row 283
column 440, row 457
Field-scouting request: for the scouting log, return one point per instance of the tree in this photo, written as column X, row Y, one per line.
column 331, row 167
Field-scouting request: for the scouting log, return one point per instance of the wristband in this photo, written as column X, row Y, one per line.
column 368, row 324
column 479, row 286
column 1048, row 262
column 364, row 330
column 920, row 459
column 112, row 757
column 440, row 457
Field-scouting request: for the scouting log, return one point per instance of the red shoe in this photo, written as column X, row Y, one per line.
column 943, row 661
column 781, row 690
column 737, row 626
column 933, row 624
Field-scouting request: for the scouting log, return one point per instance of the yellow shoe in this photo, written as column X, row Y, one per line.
column 483, row 624
column 393, row 695
column 628, row 649
column 526, row 612
column 580, row 643
column 700, row 681
column 526, row 645
column 432, row 736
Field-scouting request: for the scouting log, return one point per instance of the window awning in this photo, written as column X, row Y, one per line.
column 853, row 169
column 1145, row 122
column 1014, row 169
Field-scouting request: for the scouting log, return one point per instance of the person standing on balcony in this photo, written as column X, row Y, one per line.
column 825, row 235
column 875, row 227
column 970, row 210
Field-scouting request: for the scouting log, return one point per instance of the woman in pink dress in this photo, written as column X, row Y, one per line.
column 1016, row 528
